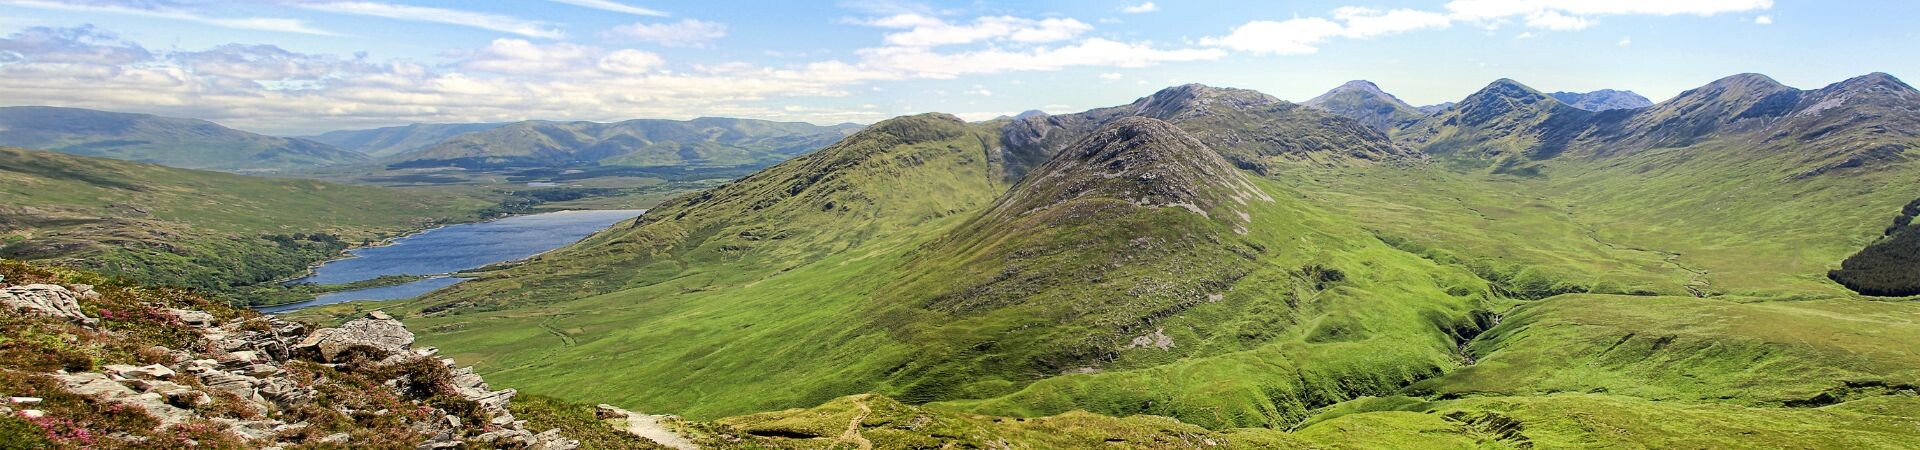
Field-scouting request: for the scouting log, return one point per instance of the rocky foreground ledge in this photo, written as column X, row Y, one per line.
column 138, row 368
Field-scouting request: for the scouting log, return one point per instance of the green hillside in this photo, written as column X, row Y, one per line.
column 192, row 228
column 1213, row 264
column 188, row 143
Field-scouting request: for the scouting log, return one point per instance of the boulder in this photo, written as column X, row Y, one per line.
column 553, row 440
column 150, row 372
column 198, row 319
column 377, row 332
column 48, row 300
column 94, row 384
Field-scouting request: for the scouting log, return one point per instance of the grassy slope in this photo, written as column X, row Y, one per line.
column 191, row 228
column 1706, row 219
column 709, row 314
column 1681, row 348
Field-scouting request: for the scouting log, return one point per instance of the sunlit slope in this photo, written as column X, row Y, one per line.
column 1144, row 255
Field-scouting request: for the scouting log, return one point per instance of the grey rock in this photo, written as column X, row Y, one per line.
column 552, row 440
column 49, row 300
column 378, row 332
column 200, row 319
column 150, row 372
column 97, row 385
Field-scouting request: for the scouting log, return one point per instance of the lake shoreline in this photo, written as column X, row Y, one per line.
column 471, row 246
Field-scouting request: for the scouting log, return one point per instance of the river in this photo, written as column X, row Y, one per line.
column 442, row 251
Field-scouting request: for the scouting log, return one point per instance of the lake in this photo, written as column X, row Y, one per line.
column 450, row 249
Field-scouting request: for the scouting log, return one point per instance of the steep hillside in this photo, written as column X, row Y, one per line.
column 1602, row 100
column 389, row 141
column 886, row 264
column 698, row 142
column 1502, row 126
column 1364, row 101
column 188, row 143
column 182, row 227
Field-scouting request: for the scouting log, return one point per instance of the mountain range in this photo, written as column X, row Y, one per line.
column 1210, row 266
column 1232, row 260
column 186, row 143
column 708, row 141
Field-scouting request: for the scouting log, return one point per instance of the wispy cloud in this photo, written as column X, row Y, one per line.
column 684, row 33
column 609, row 5
column 485, row 21
column 147, row 9
column 1763, row 20
column 1140, row 8
column 1305, row 35
column 926, row 31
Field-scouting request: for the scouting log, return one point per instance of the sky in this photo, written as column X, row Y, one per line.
column 293, row 67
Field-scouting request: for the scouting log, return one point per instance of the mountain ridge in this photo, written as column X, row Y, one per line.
column 177, row 142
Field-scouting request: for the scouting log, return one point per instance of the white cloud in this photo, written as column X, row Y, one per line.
column 925, row 31
column 1366, row 23
column 1301, row 36
column 1626, row 41
column 919, row 62
column 1111, row 76
column 145, row 9
column 630, row 62
column 609, row 5
column 1305, row 35
column 1763, row 20
column 1524, row 35
column 1140, row 8
column 980, row 91
column 687, row 32
column 485, row 21
column 1493, row 9
column 1552, row 20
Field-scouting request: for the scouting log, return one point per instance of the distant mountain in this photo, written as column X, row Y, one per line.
column 1602, row 100
column 648, row 142
column 1364, row 101
column 185, row 143
column 1504, row 118
column 389, row 141
column 1435, row 108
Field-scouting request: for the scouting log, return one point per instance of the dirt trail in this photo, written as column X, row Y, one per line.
column 649, row 427
column 852, row 435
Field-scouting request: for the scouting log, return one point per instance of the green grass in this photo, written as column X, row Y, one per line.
column 1796, row 353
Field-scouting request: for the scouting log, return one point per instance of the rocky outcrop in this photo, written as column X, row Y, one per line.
column 257, row 378
column 49, row 300
column 378, row 333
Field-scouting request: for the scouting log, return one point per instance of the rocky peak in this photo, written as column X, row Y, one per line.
column 1140, row 160
column 1363, row 101
column 1355, row 87
column 1877, row 84
column 1190, row 100
column 1603, row 100
column 1504, row 101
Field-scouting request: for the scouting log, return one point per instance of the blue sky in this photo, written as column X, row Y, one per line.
column 301, row 66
